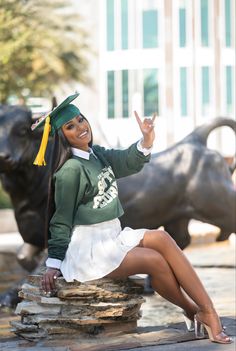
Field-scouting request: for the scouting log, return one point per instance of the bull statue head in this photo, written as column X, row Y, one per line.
column 26, row 184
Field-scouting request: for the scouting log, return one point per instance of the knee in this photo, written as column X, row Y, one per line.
column 158, row 237
column 164, row 236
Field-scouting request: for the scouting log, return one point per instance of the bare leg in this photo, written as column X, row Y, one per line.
column 148, row 261
column 187, row 278
column 185, row 275
column 159, row 256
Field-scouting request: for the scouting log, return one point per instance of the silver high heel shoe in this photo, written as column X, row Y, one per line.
column 199, row 326
column 189, row 323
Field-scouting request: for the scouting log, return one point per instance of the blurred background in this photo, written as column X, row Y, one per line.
column 173, row 57
column 176, row 58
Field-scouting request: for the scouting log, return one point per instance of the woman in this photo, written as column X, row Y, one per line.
column 86, row 241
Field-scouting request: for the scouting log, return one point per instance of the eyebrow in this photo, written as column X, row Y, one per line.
column 70, row 121
column 67, row 123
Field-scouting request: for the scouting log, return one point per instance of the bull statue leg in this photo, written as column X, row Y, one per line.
column 28, row 256
column 179, row 231
column 10, row 298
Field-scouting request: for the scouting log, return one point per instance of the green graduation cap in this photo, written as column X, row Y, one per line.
column 53, row 121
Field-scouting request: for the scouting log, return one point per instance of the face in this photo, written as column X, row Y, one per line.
column 78, row 132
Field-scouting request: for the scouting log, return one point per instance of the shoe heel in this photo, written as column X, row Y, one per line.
column 189, row 323
column 199, row 329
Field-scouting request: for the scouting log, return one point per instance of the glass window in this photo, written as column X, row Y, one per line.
column 110, row 25
column 205, row 90
column 229, row 88
column 150, row 92
column 150, row 28
column 125, row 93
column 227, row 23
column 124, row 24
column 204, row 23
column 110, row 94
column 182, row 26
column 183, row 91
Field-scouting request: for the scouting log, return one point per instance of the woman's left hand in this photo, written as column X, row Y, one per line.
column 48, row 280
column 147, row 128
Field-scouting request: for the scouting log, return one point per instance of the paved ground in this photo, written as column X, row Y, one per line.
column 161, row 326
column 200, row 345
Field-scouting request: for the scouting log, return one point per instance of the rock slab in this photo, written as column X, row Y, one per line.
column 99, row 307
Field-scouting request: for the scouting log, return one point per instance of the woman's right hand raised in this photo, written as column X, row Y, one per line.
column 49, row 279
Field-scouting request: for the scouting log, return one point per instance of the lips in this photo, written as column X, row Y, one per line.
column 83, row 134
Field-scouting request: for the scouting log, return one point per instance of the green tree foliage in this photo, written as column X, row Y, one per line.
column 42, row 45
column 5, row 201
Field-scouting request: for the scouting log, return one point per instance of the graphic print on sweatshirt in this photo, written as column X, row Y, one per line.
column 107, row 188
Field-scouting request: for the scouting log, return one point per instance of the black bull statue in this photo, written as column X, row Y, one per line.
column 186, row 181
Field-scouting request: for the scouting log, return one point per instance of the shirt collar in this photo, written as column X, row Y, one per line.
column 82, row 153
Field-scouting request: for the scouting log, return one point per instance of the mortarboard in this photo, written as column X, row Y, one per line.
column 53, row 121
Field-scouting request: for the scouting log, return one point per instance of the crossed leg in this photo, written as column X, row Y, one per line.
column 145, row 260
column 172, row 275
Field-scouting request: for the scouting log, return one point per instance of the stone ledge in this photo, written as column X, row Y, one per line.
column 103, row 306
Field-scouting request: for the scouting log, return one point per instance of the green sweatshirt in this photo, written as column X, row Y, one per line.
column 86, row 192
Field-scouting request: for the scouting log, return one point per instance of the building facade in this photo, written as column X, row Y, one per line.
column 173, row 57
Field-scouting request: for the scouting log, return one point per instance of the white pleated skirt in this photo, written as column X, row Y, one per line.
column 96, row 250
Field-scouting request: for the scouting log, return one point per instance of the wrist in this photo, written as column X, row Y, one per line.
column 143, row 150
column 146, row 144
column 53, row 263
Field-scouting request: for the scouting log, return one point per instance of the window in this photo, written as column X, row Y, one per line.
column 125, row 93
column 205, row 90
column 229, row 88
column 110, row 94
column 110, row 25
column 204, row 23
column 150, row 28
column 183, row 91
column 124, row 24
column 150, row 92
column 182, row 26
column 228, row 23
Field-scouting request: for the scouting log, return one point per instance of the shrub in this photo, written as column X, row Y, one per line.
column 5, row 201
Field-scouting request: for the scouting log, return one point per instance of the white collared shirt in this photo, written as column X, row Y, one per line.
column 82, row 153
column 86, row 154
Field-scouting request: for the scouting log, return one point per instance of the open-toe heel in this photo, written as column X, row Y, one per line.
column 189, row 323
column 199, row 329
column 221, row 338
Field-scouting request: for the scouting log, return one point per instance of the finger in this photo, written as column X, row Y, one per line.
column 148, row 123
column 48, row 283
column 138, row 119
column 58, row 274
column 55, row 276
column 43, row 283
column 52, row 282
column 154, row 117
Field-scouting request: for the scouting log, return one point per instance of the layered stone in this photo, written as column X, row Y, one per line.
column 103, row 306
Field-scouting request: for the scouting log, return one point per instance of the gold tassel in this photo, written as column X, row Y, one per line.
column 39, row 160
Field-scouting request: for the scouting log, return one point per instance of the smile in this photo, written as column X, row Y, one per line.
column 83, row 134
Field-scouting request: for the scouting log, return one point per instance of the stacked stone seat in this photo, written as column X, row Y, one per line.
column 103, row 306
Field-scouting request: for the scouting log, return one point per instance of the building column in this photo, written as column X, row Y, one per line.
column 169, row 83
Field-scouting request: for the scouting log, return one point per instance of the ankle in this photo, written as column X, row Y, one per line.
column 206, row 309
column 190, row 313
